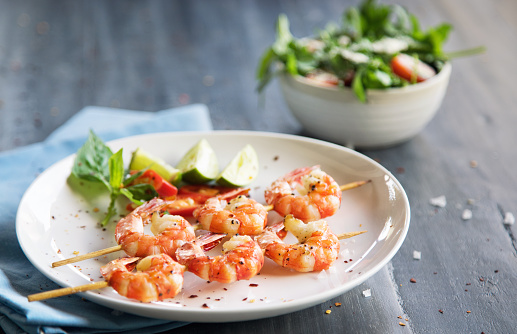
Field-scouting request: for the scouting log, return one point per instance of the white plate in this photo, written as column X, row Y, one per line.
column 55, row 221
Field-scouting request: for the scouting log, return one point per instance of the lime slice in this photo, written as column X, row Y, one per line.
column 199, row 164
column 142, row 159
column 242, row 170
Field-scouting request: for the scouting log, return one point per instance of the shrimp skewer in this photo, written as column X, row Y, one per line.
column 307, row 193
column 170, row 231
column 241, row 215
column 317, row 249
column 157, row 277
column 184, row 206
column 242, row 259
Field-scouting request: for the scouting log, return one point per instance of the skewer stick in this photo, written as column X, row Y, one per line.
column 349, row 234
column 87, row 256
column 344, row 187
column 353, row 185
column 105, row 251
column 102, row 284
column 66, row 291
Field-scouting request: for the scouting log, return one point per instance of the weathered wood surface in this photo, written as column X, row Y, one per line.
column 59, row 56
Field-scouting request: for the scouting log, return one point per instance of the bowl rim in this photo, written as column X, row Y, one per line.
column 442, row 75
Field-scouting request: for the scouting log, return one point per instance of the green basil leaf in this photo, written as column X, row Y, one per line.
column 92, row 161
column 133, row 177
column 140, row 192
column 112, row 211
column 116, row 170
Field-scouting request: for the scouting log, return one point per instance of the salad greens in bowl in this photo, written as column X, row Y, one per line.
column 374, row 80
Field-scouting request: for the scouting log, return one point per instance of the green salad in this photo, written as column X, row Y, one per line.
column 376, row 46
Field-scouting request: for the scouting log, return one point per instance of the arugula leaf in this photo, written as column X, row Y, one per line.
column 283, row 36
column 352, row 25
column 357, row 85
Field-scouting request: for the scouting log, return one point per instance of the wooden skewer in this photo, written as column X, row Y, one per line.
column 87, row 256
column 353, row 185
column 99, row 285
column 344, row 187
column 105, row 251
column 349, row 234
column 66, row 291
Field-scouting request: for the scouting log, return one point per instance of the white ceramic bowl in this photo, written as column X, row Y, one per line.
column 391, row 116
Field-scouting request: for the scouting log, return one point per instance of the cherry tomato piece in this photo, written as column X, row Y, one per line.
column 410, row 68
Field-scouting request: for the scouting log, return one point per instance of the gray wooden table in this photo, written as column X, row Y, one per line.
column 58, row 56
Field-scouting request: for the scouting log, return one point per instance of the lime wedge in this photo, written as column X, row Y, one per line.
column 142, row 159
column 242, row 170
column 199, row 164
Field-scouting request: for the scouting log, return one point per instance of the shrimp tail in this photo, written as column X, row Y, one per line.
column 209, row 240
column 190, row 250
column 296, row 174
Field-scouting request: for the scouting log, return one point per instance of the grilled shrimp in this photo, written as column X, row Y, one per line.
column 157, row 277
column 170, row 231
column 242, row 259
column 307, row 193
column 242, row 215
column 317, row 249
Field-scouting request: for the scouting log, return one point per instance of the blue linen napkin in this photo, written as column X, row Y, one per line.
column 18, row 278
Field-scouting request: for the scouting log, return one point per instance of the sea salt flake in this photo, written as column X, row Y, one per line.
column 417, row 255
column 466, row 215
column 367, row 293
column 251, row 297
column 322, row 275
column 439, row 201
column 345, row 253
column 509, row 218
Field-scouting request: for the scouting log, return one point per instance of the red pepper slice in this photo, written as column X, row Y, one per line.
column 163, row 187
column 190, row 197
column 200, row 193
